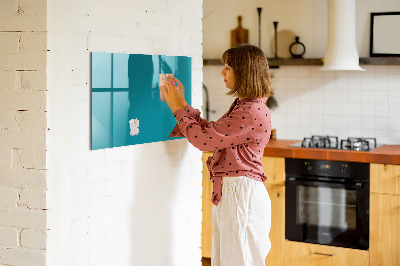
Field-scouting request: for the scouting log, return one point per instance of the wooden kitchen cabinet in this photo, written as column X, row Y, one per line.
column 206, row 225
column 385, row 215
column 384, row 236
column 385, row 178
column 305, row 254
column 277, row 233
column 274, row 168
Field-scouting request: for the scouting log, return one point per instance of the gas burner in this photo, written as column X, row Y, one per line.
column 332, row 142
column 358, row 144
column 327, row 142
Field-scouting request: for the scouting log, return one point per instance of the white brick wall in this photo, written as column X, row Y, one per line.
column 23, row 132
column 136, row 205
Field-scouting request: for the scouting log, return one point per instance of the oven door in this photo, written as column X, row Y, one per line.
column 327, row 213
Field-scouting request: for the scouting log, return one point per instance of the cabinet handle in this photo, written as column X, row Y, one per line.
column 324, row 254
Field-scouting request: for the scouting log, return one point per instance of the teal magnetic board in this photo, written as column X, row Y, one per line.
column 127, row 106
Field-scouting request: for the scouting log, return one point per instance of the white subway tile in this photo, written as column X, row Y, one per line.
column 342, row 109
column 291, row 71
column 355, row 122
column 394, row 97
column 394, row 137
column 380, row 71
column 367, row 110
column 381, row 97
column 368, row 123
column 382, row 123
column 367, row 133
column 304, row 72
column 381, row 110
column 355, row 132
column 394, row 123
column 380, row 84
column 328, row 74
column 355, row 96
column 342, row 97
column 367, row 96
column 382, row 136
column 394, row 110
column 329, row 123
column 394, row 83
column 342, row 122
column 354, row 81
column 329, row 109
column 342, row 80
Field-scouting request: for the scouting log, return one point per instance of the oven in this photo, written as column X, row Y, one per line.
column 327, row 202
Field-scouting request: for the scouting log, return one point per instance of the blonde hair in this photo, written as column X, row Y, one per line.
column 250, row 66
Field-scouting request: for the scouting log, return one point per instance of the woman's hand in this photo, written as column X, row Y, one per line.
column 181, row 90
column 171, row 94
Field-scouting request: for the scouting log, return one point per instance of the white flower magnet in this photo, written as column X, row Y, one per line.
column 134, row 125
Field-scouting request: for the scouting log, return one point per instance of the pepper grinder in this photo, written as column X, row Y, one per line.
column 276, row 38
column 259, row 26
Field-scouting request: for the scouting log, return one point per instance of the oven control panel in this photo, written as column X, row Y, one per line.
column 337, row 169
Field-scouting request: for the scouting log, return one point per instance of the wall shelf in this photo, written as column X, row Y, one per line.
column 380, row 61
column 274, row 63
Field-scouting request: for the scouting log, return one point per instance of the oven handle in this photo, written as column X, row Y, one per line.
column 357, row 185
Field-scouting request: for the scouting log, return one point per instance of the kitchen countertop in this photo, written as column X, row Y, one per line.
column 389, row 154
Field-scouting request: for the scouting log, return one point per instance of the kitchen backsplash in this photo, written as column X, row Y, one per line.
column 314, row 102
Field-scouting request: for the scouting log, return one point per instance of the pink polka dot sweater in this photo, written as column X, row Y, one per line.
column 238, row 139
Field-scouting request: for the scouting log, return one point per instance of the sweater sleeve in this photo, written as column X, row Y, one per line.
column 193, row 113
column 231, row 130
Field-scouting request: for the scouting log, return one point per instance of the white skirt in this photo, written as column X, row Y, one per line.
column 241, row 223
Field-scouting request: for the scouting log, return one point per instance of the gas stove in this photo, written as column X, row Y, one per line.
column 332, row 142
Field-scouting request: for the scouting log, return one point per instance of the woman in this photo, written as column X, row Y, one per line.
column 242, row 208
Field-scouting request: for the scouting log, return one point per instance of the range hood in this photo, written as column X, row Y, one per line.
column 341, row 51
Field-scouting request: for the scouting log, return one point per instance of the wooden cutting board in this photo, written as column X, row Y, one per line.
column 239, row 35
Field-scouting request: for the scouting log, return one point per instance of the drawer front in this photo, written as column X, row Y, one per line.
column 297, row 253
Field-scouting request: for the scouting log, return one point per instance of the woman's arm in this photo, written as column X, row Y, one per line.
column 175, row 96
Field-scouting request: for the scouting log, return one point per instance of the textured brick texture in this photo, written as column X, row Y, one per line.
column 23, row 128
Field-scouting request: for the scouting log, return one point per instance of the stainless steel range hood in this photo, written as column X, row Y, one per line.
column 341, row 51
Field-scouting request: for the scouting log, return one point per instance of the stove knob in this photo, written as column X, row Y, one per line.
column 308, row 166
column 343, row 168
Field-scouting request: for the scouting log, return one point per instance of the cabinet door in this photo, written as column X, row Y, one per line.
column 384, row 230
column 385, row 178
column 274, row 168
column 206, row 226
column 277, row 233
column 304, row 254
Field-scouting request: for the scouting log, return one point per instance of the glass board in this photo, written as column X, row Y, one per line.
column 127, row 106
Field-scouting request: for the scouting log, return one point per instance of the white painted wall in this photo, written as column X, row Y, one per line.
column 306, row 19
column 311, row 102
column 23, row 133
column 136, row 205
